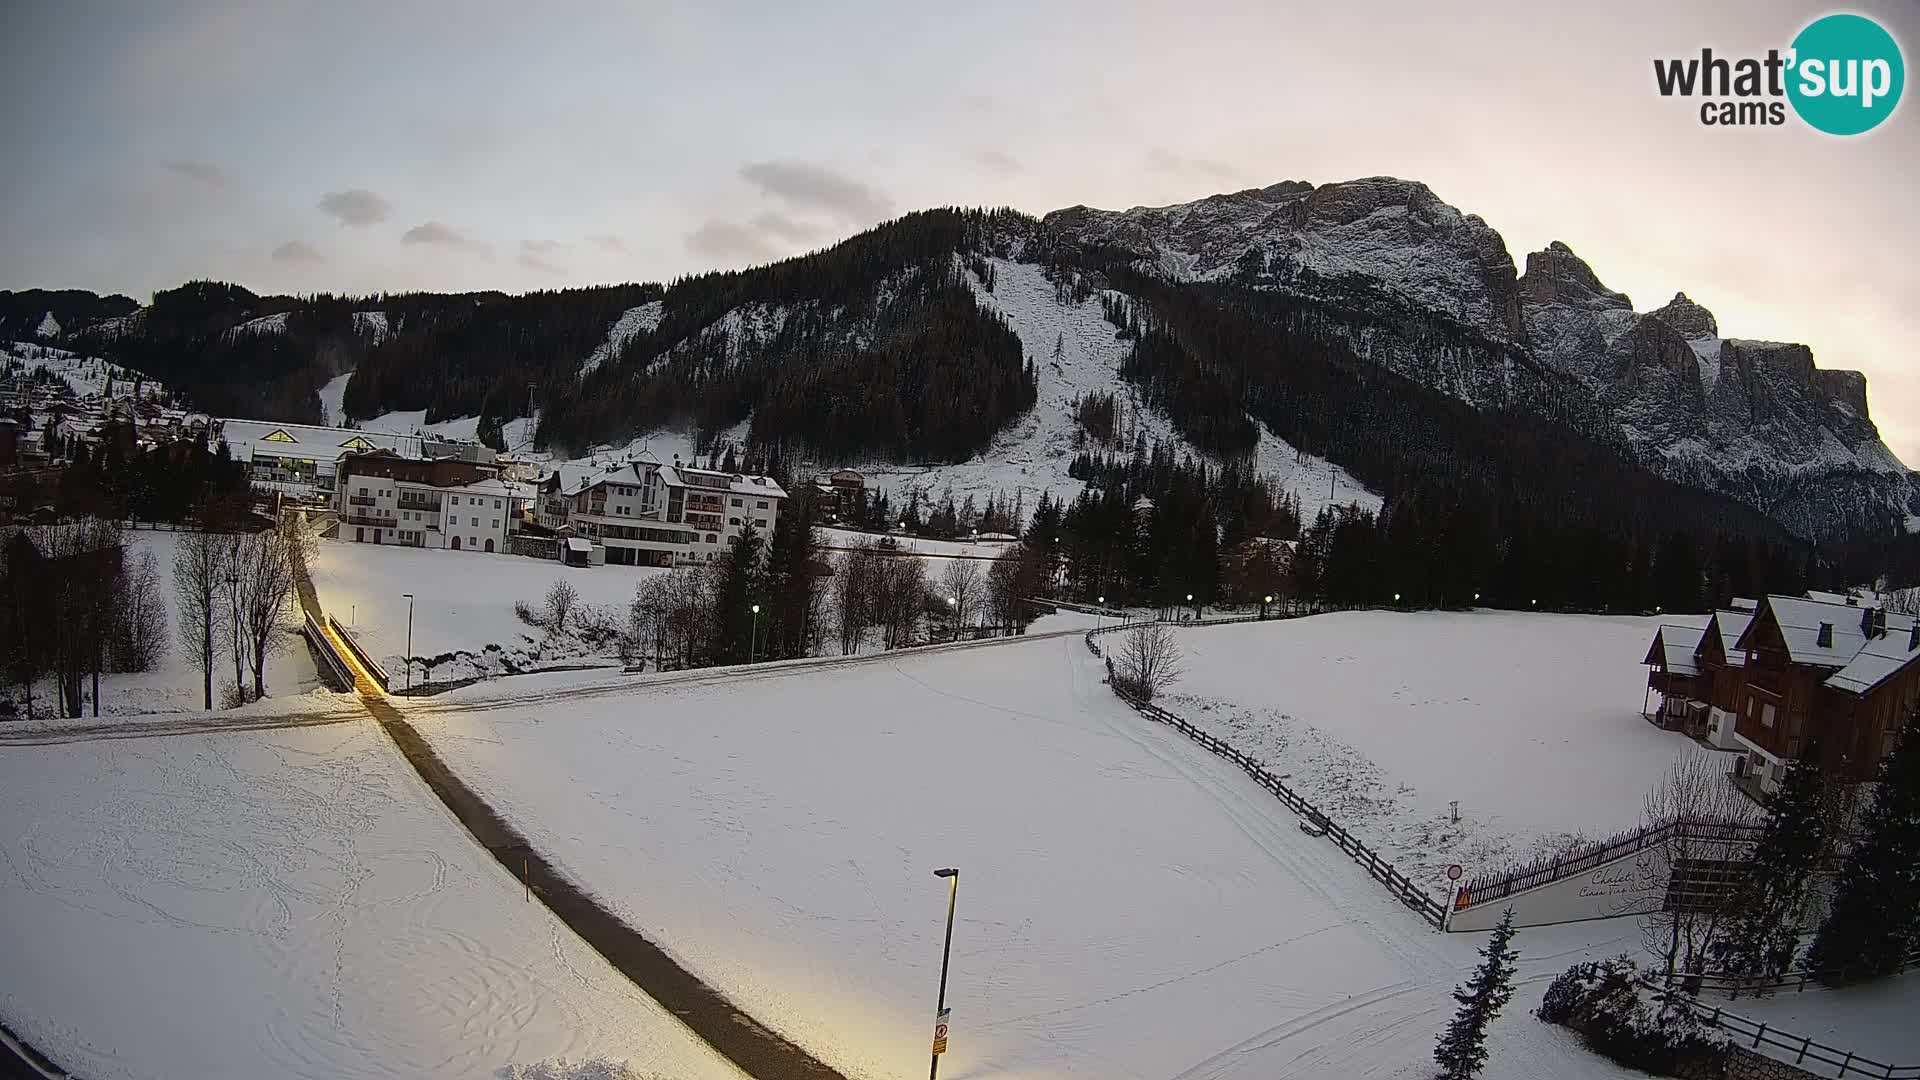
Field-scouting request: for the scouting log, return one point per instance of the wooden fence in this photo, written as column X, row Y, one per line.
column 1797, row 1050
column 1796, row 978
column 1402, row 889
column 1498, row 885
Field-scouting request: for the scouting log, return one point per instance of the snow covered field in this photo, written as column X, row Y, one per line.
column 463, row 604
column 1129, row 906
column 1531, row 721
column 285, row 904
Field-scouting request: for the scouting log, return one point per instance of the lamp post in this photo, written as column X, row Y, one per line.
column 753, row 639
column 1196, row 611
column 409, row 597
column 952, row 875
column 953, row 619
column 1103, row 611
column 1264, row 601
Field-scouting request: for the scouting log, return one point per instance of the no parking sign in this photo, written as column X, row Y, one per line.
column 940, row 1032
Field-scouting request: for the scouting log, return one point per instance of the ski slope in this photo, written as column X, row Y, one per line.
column 1531, row 721
column 1129, row 906
column 1075, row 354
column 286, row 904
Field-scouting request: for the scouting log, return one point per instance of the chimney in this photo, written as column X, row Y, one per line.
column 1852, row 600
column 1825, row 640
column 1913, row 636
column 1866, row 623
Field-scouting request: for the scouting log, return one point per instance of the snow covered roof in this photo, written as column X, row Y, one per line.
column 1730, row 625
column 1801, row 621
column 763, row 487
column 1741, row 603
column 1878, row 660
column 575, row 543
column 1676, row 646
column 496, row 488
column 308, row 441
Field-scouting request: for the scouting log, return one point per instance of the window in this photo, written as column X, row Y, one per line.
column 760, row 523
column 496, row 523
column 733, row 521
column 1766, row 716
column 761, row 505
column 471, row 542
column 711, row 538
column 455, row 499
column 363, row 491
column 476, row 523
column 496, row 504
column 736, row 502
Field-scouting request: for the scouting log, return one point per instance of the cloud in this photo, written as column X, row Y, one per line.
column 206, row 172
column 815, row 187
column 1162, row 160
column 434, row 232
column 778, row 225
column 608, row 242
column 297, row 251
column 533, row 255
column 730, row 241
column 997, row 161
column 980, row 102
column 357, row 206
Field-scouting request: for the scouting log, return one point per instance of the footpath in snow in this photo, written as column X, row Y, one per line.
column 286, row 904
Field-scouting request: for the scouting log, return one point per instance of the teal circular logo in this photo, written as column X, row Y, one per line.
column 1847, row 74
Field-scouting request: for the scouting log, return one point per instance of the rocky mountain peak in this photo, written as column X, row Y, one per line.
column 1689, row 319
column 1557, row 276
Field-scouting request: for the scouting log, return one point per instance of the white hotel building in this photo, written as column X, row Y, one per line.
column 643, row 513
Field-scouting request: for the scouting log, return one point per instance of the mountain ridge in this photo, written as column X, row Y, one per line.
column 1427, row 291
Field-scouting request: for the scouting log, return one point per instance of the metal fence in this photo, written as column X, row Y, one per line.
column 342, row 678
column 1797, row 1050
column 1402, row 889
column 374, row 669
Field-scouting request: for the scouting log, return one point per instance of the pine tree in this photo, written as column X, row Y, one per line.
column 1875, row 919
column 1463, row 1046
column 1764, row 932
column 740, row 589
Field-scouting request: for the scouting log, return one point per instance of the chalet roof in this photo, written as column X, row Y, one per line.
column 1741, row 603
column 1674, row 646
column 1879, row 660
column 1858, row 662
column 1730, row 624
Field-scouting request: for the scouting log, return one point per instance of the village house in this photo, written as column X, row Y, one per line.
column 299, row 461
column 384, row 498
column 643, row 513
column 1768, row 681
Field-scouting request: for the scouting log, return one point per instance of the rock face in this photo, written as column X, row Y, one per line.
column 1756, row 420
column 1396, row 233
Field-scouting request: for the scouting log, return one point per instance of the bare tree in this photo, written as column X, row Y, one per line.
column 199, row 571
column 900, row 599
column 1701, row 802
column 142, row 637
column 1149, row 660
column 962, row 584
column 853, row 599
column 80, row 580
column 562, row 599
column 263, row 584
column 1904, row 601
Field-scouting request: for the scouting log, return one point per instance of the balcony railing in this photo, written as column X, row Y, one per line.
column 407, row 503
column 361, row 500
column 362, row 519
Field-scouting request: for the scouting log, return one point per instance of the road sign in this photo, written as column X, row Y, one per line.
column 940, row 1032
column 1454, row 872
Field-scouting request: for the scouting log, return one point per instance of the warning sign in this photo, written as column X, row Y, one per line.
column 940, row 1032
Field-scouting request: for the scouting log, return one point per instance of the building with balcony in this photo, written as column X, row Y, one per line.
column 383, row 498
column 1832, row 668
column 643, row 513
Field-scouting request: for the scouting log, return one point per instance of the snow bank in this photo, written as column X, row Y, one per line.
column 1531, row 721
column 287, row 904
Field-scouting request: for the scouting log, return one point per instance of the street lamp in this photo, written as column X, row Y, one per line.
column 409, row 597
column 754, row 638
column 953, row 619
column 952, row 875
column 1264, row 601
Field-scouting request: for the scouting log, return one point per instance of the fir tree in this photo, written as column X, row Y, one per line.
column 1764, row 932
column 740, row 589
column 1463, row 1046
column 1875, row 920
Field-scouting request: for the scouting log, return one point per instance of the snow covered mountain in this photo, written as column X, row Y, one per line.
column 1755, row 420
